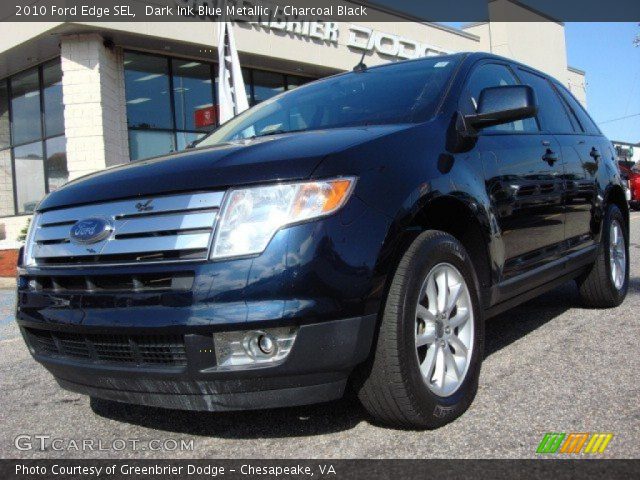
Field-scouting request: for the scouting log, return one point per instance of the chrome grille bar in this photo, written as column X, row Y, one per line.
column 153, row 229
column 123, row 208
column 163, row 223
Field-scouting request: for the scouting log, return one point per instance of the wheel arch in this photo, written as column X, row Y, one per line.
column 460, row 217
column 614, row 195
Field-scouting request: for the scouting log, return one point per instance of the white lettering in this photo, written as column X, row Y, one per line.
column 358, row 37
column 20, row 443
column 159, row 11
column 316, row 30
column 388, row 44
column 331, row 32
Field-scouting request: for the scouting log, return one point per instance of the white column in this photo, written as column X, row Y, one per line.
column 94, row 104
column 6, row 183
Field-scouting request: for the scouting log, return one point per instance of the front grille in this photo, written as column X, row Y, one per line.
column 171, row 228
column 174, row 281
column 168, row 350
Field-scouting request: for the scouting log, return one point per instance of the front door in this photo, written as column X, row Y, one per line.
column 523, row 178
column 524, row 182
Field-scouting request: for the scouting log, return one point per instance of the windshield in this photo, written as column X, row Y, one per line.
column 395, row 93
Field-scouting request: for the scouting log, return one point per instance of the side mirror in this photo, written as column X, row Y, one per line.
column 500, row 105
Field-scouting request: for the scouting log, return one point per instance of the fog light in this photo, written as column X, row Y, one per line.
column 253, row 348
column 266, row 344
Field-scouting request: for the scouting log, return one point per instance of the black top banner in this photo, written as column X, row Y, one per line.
column 312, row 10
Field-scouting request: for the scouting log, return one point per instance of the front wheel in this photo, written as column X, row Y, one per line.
column 426, row 364
column 605, row 285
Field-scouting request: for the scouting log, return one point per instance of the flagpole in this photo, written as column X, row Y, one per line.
column 232, row 94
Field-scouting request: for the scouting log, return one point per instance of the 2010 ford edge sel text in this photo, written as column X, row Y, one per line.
column 355, row 232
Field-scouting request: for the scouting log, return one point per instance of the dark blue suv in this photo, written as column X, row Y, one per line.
column 356, row 231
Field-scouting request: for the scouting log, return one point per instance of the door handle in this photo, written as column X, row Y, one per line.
column 550, row 157
column 594, row 153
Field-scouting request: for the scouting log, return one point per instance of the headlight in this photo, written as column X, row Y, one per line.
column 250, row 217
column 28, row 259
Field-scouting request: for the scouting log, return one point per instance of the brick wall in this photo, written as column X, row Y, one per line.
column 94, row 100
column 8, row 263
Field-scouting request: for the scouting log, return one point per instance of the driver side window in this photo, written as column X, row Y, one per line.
column 493, row 75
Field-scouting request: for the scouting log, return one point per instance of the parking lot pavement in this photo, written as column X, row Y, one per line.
column 550, row 366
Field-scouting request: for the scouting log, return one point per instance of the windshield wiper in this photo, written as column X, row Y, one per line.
column 277, row 132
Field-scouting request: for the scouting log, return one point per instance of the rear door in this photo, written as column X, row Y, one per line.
column 578, row 175
column 590, row 146
column 522, row 177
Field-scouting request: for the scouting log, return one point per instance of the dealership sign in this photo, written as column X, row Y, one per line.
column 358, row 37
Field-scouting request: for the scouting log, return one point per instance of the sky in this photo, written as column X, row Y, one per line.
column 606, row 52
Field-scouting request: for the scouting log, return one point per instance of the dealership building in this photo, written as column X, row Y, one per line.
column 76, row 98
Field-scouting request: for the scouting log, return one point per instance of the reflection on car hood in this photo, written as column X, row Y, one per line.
column 263, row 159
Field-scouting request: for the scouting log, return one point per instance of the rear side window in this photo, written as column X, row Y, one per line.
column 583, row 117
column 551, row 110
column 493, row 75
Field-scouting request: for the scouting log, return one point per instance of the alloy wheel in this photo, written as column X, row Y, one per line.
column 444, row 329
column 617, row 255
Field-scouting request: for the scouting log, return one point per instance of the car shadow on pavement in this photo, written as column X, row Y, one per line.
column 514, row 324
column 504, row 329
column 302, row 421
column 339, row 415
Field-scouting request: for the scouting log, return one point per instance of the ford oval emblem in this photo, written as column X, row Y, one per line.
column 90, row 230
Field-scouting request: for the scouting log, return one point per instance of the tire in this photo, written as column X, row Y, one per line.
column 393, row 388
column 597, row 287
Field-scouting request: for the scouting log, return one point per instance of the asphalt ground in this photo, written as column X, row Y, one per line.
column 550, row 366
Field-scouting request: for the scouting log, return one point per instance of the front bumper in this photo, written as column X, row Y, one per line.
column 309, row 277
column 316, row 370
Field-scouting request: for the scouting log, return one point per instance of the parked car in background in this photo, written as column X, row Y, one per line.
column 630, row 172
column 356, row 231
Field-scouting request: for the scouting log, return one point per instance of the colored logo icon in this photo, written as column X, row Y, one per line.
column 574, row 443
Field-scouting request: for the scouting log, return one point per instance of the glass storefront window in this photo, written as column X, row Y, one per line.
column 150, row 143
column 30, row 186
column 52, row 95
column 295, row 82
column 5, row 139
column 193, row 95
column 25, row 107
column 56, row 162
column 29, row 101
column 266, row 85
column 171, row 101
column 184, row 139
column 147, row 91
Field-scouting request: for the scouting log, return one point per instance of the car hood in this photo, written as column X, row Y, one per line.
column 291, row 156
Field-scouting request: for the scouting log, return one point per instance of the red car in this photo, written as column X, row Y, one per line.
column 631, row 172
